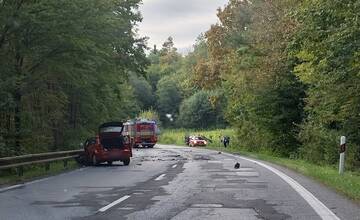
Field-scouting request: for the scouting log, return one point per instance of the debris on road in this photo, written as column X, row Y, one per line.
column 237, row 166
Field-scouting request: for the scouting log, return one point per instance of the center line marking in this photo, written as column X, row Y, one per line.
column 174, row 166
column 103, row 209
column 160, row 177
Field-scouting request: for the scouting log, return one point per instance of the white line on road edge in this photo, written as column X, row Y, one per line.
column 174, row 166
column 160, row 177
column 103, row 209
column 37, row 181
column 324, row 212
column 11, row 187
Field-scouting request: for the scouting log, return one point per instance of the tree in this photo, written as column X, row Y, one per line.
column 143, row 92
column 327, row 48
column 150, row 115
column 168, row 99
column 248, row 58
column 197, row 112
column 63, row 66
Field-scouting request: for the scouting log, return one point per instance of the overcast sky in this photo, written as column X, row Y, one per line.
column 184, row 20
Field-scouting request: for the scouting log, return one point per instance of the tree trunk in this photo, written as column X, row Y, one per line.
column 17, row 121
column 17, row 97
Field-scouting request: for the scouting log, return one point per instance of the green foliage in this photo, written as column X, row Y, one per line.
column 327, row 46
column 150, row 115
column 264, row 96
column 63, row 66
column 168, row 99
column 143, row 92
column 177, row 136
column 197, row 112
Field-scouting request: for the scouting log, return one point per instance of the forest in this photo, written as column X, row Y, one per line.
column 284, row 74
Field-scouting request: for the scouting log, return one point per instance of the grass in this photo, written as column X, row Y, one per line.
column 347, row 184
column 177, row 136
column 8, row 177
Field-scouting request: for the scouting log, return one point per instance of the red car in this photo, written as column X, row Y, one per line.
column 109, row 145
column 197, row 141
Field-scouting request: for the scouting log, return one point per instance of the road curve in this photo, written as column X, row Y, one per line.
column 170, row 182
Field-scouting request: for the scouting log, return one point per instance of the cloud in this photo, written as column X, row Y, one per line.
column 183, row 20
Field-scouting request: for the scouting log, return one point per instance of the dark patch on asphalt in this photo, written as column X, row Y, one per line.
column 176, row 157
column 142, row 199
column 225, row 180
column 201, row 157
column 223, row 190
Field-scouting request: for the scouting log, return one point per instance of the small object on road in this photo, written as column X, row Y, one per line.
column 237, row 166
column 219, row 152
column 139, row 164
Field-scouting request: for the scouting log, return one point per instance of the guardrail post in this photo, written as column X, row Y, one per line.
column 20, row 171
column 65, row 163
column 47, row 166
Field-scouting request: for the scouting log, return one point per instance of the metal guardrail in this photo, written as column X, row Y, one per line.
column 32, row 159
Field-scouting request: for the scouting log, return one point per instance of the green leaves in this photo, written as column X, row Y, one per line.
column 63, row 66
column 329, row 45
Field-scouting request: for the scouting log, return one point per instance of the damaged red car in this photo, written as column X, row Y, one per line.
column 109, row 145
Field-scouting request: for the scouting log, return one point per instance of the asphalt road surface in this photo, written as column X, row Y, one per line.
column 170, row 182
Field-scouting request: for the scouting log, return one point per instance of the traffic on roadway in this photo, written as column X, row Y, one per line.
column 171, row 182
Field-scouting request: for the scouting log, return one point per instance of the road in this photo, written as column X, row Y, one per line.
column 170, row 182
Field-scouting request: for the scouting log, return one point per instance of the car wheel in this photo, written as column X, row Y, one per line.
column 126, row 162
column 151, row 146
column 109, row 163
column 94, row 160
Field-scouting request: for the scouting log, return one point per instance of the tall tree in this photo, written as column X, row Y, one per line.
column 62, row 62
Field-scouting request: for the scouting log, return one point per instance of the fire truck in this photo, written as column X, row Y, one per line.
column 142, row 132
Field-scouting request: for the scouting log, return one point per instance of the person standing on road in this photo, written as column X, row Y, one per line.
column 226, row 141
column 187, row 139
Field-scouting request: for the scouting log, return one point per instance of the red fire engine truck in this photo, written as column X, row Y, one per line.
column 143, row 132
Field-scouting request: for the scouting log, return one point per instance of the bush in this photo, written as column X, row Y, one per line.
column 198, row 112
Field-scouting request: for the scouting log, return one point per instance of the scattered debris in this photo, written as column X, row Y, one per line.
column 139, row 164
column 219, row 152
column 237, row 166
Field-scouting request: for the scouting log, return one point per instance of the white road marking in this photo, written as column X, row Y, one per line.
column 174, row 166
column 103, row 209
column 11, row 187
column 247, row 174
column 160, row 177
column 324, row 212
column 214, row 161
column 207, row 205
column 243, row 169
column 39, row 180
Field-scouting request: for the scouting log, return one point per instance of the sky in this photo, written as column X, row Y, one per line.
column 184, row 20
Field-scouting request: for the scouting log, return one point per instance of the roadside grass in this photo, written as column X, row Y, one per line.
column 177, row 136
column 9, row 177
column 347, row 184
